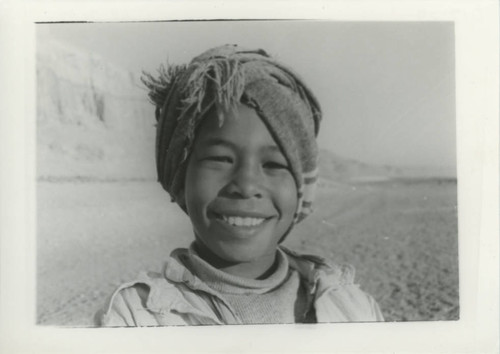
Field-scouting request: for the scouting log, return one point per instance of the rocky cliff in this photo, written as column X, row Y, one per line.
column 94, row 120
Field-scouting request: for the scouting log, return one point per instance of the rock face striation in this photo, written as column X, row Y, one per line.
column 94, row 120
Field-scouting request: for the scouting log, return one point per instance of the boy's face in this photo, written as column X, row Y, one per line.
column 239, row 191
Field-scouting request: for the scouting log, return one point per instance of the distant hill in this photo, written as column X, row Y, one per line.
column 337, row 168
column 340, row 169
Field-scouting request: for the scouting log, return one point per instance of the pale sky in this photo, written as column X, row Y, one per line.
column 387, row 89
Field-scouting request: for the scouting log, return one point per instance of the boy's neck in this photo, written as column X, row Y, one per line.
column 259, row 268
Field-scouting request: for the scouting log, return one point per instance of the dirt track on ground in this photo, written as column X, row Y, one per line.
column 402, row 238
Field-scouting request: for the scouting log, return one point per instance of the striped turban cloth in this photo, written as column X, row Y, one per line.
column 218, row 80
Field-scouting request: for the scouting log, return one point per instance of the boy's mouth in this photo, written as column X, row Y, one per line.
column 240, row 225
column 241, row 221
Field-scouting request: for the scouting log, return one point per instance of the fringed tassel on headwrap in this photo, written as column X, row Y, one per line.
column 219, row 80
column 223, row 77
column 160, row 87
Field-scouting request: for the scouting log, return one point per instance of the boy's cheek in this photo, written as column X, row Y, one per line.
column 208, row 181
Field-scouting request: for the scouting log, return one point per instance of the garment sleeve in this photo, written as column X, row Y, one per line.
column 347, row 304
column 126, row 308
column 115, row 315
column 365, row 308
column 340, row 299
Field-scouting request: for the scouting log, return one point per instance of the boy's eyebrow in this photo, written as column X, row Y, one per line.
column 217, row 141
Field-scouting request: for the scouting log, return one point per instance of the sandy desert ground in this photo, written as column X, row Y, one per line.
column 400, row 235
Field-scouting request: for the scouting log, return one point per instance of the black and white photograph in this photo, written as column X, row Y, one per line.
column 226, row 175
column 122, row 110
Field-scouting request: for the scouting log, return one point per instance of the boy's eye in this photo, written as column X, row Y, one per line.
column 225, row 159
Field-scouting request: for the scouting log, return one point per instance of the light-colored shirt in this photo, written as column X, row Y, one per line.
column 180, row 297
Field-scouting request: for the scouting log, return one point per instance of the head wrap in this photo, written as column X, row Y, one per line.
column 220, row 79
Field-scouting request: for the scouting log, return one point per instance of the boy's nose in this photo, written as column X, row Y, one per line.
column 246, row 183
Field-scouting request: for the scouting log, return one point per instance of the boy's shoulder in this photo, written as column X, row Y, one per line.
column 344, row 300
column 313, row 267
column 131, row 302
column 153, row 298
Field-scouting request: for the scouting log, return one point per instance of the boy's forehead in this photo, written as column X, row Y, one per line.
column 242, row 126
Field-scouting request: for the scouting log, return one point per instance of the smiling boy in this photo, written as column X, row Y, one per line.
column 240, row 193
column 236, row 150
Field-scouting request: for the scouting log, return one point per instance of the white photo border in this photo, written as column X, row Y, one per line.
column 477, row 97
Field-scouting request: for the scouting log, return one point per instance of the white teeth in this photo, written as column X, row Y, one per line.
column 242, row 221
